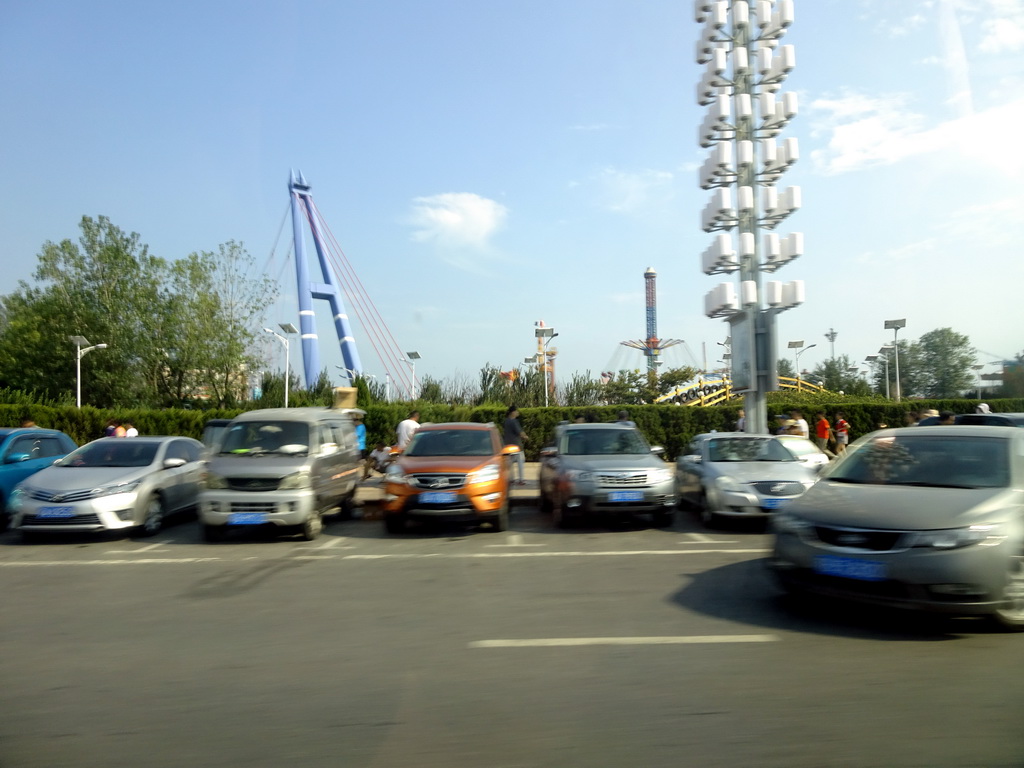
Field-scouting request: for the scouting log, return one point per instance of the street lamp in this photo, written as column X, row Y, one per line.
column 82, row 348
column 798, row 349
column 544, row 335
column 895, row 325
column 978, row 376
column 413, row 357
column 884, row 350
column 289, row 329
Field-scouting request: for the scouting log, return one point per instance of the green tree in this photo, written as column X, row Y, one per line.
column 836, row 376
column 945, row 359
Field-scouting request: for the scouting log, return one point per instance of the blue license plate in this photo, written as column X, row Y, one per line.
column 247, row 518
column 438, row 497
column 774, row 503
column 62, row 512
column 849, row 568
column 625, row 496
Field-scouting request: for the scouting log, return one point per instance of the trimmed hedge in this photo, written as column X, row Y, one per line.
column 666, row 425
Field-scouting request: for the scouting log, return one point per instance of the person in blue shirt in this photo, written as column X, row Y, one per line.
column 360, row 435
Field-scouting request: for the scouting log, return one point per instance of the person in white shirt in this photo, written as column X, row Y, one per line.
column 406, row 429
column 378, row 460
column 801, row 423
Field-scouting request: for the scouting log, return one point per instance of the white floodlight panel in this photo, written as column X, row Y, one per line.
column 701, row 8
column 764, row 60
column 748, row 293
column 744, row 153
column 772, row 247
column 769, row 199
column 722, row 203
column 740, row 61
column 791, row 150
column 764, row 13
column 793, row 199
column 722, row 110
column 740, row 15
column 722, row 248
column 789, row 104
column 785, row 13
column 794, row 245
column 744, row 107
column 727, row 291
column 719, row 63
column 704, row 51
column 768, row 152
column 773, row 293
column 747, row 244
column 766, row 102
column 793, row 293
column 786, row 60
column 723, row 155
column 745, row 199
column 708, row 263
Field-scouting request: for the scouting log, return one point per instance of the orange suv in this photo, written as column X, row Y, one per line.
column 454, row 472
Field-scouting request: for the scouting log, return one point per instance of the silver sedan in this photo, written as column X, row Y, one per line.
column 113, row 483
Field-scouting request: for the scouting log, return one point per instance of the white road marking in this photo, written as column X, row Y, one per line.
column 565, row 642
column 140, row 561
column 332, row 543
column 137, row 551
column 700, row 538
column 515, row 540
column 625, row 553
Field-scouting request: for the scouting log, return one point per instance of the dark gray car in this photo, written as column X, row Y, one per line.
column 930, row 519
column 604, row 469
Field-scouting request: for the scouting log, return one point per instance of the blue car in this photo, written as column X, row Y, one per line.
column 24, row 451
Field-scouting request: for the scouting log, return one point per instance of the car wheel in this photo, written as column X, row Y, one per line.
column 545, row 503
column 213, row 532
column 394, row 523
column 313, row 526
column 499, row 522
column 707, row 515
column 153, row 519
column 559, row 516
column 662, row 519
column 1010, row 613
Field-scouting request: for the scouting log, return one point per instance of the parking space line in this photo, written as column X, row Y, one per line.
column 623, row 553
column 515, row 540
column 700, row 538
column 150, row 548
column 567, row 642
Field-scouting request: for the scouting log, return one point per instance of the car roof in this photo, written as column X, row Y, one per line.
column 458, row 425
column 952, row 430
column 296, row 414
column 5, row 431
column 145, row 439
column 597, row 425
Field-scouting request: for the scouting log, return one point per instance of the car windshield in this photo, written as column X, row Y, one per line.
column 747, row 449
column 120, row 452
column 916, row 459
column 603, row 442
column 261, row 438
column 450, row 442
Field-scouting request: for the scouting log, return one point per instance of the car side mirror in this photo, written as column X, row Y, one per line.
column 657, row 449
column 508, row 450
column 693, row 458
column 174, row 463
column 549, row 451
column 16, row 458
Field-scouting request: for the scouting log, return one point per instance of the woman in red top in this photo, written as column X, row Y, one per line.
column 822, row 432
column 842, row 432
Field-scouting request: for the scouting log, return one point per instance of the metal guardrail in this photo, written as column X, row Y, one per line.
column 717, row 391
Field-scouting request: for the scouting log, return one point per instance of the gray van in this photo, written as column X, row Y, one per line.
column 283, row 467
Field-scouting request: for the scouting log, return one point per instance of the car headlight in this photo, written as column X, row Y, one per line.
column 576, row 475
column 955, row 538
column 655, row 476
column 486, row 474
column 787, row 522
column 294, row 481
column 726, row 483
column 215, row 482
column 394, row 474
column 113, row 490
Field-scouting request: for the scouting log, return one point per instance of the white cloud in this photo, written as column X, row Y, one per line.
column 632, row 192
column 456, row 219
column 1005, row 34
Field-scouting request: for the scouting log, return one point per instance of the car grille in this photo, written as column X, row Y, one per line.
column 253, row 506
column 621, row 479
column 253, row 483
column 70, row 496
column 56, row 522
column 778, row 488
column 439, row 481
column 858, row 538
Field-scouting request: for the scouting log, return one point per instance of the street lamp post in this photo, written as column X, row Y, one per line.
column 978, row 377
column 82, row 348
column 288, row 328
column 412, row 358
column 895, row 325
column 798, row 349
column 884, row 350
column 544, row 335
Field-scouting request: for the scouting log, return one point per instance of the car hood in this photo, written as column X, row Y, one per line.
column 414, row 464
column 901, row 507
column 617, row 463
column 760, row 471
column 83, row 478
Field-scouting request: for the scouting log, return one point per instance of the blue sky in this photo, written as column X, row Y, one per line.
column 485, row 165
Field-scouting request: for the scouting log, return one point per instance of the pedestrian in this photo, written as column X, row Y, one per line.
column 983, row 408
column 801, row 423
column 512, row 434
column 360, row 435
column 130, row 430
column 741, row 421
column 822, row 433
column 378, row 460
column 406, row 429
column 111, row 428
column 911, row 418
column 947, row 419
column 929, row 416
column 842, row 431
column 120, row 431
column 28, row 422
column 623, row 418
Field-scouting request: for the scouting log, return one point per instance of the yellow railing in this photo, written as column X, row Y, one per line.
column 717, row 391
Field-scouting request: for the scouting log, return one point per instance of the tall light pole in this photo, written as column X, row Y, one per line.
column 412, row 358
column 884, row 350
column 977, row 375
column 745, row 69
column 895, row 325
column 831, row 336
column 288, row 328
column 82, row 348
column 544, row 335
column 797, row 356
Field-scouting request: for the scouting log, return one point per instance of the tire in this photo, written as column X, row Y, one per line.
column 312, row 527
column 662, row 519
column 213, row 533
column 559, row 516
column 707, row 516
column 153, row 518
column 545, row 503
column 1010, row 613
column 499, row 522
column 394, row 523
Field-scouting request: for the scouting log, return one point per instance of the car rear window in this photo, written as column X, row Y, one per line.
column 266, row 437
column 912, row 458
